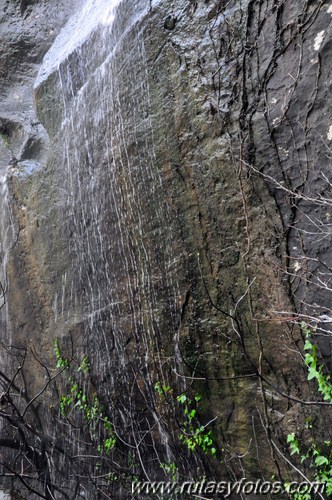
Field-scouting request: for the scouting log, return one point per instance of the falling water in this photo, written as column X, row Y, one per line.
column 119, row 291
column 7, row 240
column 4, row 496
column 122, row 277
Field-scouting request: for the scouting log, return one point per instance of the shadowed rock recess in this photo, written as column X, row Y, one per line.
column 166, row 225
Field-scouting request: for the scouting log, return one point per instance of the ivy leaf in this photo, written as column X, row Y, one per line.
column 182, row 398
column 291, row 437
column 313, row 373
column 321, row 460
column 307, row 345
column 192, row 414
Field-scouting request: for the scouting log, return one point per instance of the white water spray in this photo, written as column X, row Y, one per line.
column 7, row 239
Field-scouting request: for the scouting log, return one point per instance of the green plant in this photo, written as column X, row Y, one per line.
column 316, row 371
column 320, row 460
column 76, row 398
column 170, row 468
column 162, row 389
column 84, row 366
column 298, row 496
column 194, row 434
column 293, row 444
column 61, row 362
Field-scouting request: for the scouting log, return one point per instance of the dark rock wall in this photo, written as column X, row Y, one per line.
column 176, row 214
column 291, row 140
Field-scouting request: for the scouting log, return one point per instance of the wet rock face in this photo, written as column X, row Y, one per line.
column 27, row 29
column 163, row 220
column 291, row 143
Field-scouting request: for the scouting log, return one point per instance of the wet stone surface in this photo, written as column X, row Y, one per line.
column 165, row 196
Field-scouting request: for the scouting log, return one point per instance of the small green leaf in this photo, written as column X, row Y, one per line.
column 307, row 345
column 321, row 460
column 291, row 437
column 192, row 414
column 182, row 398
column 313, row 373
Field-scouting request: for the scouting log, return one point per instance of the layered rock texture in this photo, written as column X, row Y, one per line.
column 166, row 213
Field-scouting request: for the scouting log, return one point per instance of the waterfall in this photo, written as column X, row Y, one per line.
column 164, row 189
column 120, row 289
column 104, row 272
column 4, row 496
column 7, row 240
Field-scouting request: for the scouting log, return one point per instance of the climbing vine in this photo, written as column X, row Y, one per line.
column 318, row 456
column 76, row 398
column 194, row 435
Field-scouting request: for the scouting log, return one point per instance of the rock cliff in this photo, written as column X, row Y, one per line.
column 165, row 171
